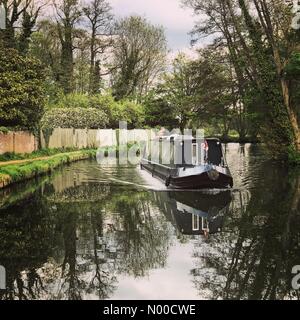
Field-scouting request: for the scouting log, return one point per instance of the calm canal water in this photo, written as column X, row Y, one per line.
column 113, row 232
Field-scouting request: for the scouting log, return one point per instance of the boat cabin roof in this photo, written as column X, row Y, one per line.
column 177, row 137
column 214, row 154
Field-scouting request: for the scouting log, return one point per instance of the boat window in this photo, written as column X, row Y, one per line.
column 165, row 153
column 155, row 151
column 195, row 222
column 172, row 159
column 205, row 224
column 145, row 150
column 178, row 153
column 195, row 154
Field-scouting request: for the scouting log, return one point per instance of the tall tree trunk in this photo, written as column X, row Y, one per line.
column 92, row 61
column 67, row 67
column 266, row 22
column 286, row 97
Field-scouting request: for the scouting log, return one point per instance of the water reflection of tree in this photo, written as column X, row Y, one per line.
column 139, row 239
column 93, row 233
column 80, row 223
column 144, row 235
column 26, row 236
column 254, row 258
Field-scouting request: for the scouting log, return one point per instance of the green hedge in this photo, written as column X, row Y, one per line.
column 77, row 118
column 115, row 111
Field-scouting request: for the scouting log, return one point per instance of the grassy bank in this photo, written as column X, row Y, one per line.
column 12, row 173
column 10, row 156
column 31, row 166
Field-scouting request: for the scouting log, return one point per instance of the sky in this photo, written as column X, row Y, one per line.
column 177, row 21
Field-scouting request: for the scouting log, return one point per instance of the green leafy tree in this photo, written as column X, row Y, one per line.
column 98, row 14
column 199, row 91
column 21, row 18
column 158, row 111
column 139, row 56
column 259, row 37
column 68, row 13
column 21, row 90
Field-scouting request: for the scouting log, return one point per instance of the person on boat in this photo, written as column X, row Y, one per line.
column 205, row 149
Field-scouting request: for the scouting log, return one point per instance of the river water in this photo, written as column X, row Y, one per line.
column 91, row 231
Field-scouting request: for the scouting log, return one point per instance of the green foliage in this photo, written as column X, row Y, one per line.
column 72, row 100
column 293, row 157
column 21, row 90
column 4, row 130
column 36, row 154
column 10, row 173
column 159, row 112
column 131, row 112
column 292, row 73
column 265, row 65
column 139, row 56
column 123, row 110
column 194, row 93
column 77, row 118
column 292, row 69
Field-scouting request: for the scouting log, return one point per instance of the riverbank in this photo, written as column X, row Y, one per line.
column 14, row 171
column 20, row 170
column 42, row 153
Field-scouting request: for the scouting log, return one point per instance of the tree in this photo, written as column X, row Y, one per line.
column 139, row 56
column 99, row 21
column 67, row 15
column 21, row 90
column 259, row 37
column 45, row 46
column 22, row 12
column 30, row 16
column 200, row 90
column 158, row 111
column 180, row 90
column 81, row 61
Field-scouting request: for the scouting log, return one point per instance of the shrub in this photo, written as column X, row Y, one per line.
column 4, row 130
column 107, row 104
column 159, row 112
column 21, row 90
column 72, row 100
column 80, row 100
column 77, row 118
column 131, row 112
column 114, row 111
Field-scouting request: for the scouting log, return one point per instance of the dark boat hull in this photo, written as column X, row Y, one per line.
column 201, row 181
column 199, row 177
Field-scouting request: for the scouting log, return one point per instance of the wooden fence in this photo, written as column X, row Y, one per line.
column 25, row 142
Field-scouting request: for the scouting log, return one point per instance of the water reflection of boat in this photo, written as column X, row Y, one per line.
column 184, row 162
column 194, row 213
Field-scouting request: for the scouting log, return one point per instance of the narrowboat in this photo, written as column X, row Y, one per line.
column 184, row 162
